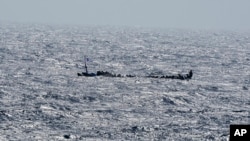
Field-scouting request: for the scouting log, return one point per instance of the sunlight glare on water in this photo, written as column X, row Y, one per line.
column 42, row 97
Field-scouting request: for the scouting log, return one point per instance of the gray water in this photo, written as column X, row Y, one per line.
column 42, row 98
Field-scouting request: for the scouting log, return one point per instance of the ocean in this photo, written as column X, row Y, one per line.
column 42, row 98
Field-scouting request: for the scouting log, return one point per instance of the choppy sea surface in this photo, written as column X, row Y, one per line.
column 42, row 98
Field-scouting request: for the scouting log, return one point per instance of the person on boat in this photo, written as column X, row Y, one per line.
column 86, row 70
column 88, row 74
column 190, row 74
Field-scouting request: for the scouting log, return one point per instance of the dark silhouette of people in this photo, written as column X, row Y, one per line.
column 108, row 74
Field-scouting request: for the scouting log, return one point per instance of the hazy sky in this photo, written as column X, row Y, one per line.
column 202, row 14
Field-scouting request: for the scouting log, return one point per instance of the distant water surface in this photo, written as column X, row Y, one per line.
column 42, row 98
